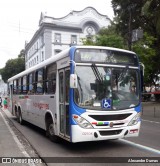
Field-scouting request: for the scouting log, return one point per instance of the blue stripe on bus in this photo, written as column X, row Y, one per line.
column 71, row 54
column 74, row 109
column 138, row 108
column 71, row 107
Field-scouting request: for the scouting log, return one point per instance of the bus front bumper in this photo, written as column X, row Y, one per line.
column 81, row 135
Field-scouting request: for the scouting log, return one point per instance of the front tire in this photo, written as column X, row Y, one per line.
column 50, row 131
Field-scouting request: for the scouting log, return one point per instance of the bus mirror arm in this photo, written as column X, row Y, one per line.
column 73, row 81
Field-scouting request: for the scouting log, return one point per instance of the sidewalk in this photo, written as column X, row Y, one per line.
column 12, row 143
column 8, row 141
column 151, row 111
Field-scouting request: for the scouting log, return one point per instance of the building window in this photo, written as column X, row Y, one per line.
column 37, row 59
column 37, row 45
column 42, row 39
column 42, row 56
column 73, row 39
column 57, row 38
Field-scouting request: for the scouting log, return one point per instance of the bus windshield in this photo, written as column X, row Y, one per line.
column 96, row 83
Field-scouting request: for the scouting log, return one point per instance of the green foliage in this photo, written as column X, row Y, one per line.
column 13, row 67
column 22, row 54
column 151, row 19
column 106, row 37
column 128, row 17
column 89, row 41
column 110, row 41
column 146, row 54
column 144, row 14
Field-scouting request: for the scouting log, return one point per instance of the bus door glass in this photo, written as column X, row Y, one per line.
column 64, row 101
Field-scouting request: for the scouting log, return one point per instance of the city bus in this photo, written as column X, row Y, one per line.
column 84, row 93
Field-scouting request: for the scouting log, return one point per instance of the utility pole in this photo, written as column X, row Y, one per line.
column 130, row 8
column 130, row 30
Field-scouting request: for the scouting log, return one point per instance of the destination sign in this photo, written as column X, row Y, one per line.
column 105, row 56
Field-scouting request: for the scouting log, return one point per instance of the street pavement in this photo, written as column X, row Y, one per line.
column 10, row 138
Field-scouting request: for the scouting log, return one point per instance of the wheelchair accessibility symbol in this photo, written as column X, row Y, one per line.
column 106, row 103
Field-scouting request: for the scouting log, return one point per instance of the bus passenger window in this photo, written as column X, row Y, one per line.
column 14, row 87
column 30, row 84
column 19, row 86
column 39, row 81
column 50, row 79
column 24, row 85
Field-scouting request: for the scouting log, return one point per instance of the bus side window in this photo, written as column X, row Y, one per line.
column 20, row 86
column 19, row 83
column 14, row 87
column 24, row 84
column 30, row 84
column 39, row 81
column 50, row 83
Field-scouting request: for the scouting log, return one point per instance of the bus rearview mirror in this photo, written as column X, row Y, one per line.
column 73, row 81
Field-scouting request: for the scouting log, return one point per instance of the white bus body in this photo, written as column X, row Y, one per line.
column 46, row 96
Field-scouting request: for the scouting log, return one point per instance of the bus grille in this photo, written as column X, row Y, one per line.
column 110, row 117
column 111, row 132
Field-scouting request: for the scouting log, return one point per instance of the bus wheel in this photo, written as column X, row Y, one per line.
column 20, row 120
column 50, row 131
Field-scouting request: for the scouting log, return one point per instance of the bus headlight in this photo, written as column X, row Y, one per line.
column 82, row 122
column 135, row 119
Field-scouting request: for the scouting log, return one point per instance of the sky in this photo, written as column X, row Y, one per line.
column 19, row 20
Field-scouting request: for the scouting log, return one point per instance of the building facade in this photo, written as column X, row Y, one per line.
column 56, row 34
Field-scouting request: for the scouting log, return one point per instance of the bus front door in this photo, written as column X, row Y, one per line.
column 64, row 102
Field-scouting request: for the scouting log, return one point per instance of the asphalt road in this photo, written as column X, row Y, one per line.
column 146, row 145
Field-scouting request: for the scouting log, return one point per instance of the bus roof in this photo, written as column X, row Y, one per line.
column 104, row 47
column 59, row 56
column 42, row 64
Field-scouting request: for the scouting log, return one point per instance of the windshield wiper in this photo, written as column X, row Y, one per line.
column 97, row 73
column 123, row 73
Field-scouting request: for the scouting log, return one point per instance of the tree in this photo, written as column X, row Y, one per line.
column 13, row 67
column 146, row 55
column 22, row 54
column 151, row 19
column 151, row 24
column 128, row 17
column 134, row 14
column 106, row 37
